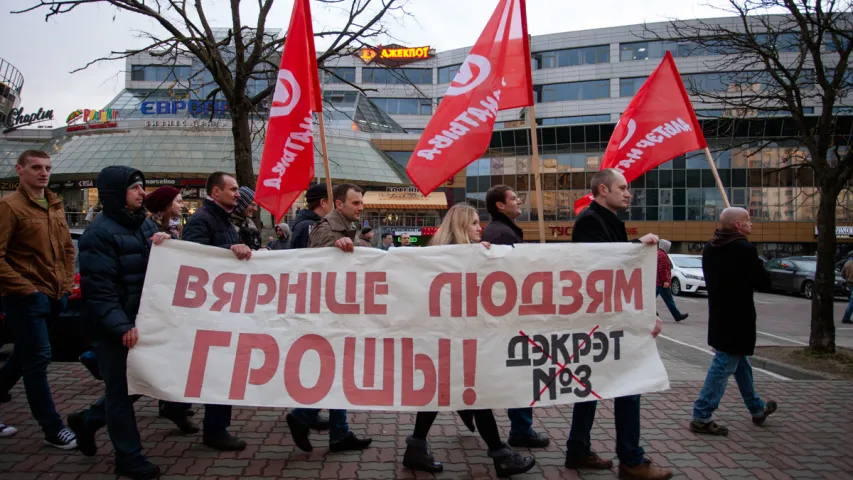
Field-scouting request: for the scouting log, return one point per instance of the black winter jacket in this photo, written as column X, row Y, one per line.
column 597, row 224
column 113, row 257
column 301, row 228
column 732, row 272
column 211, row 225
column 502, row 231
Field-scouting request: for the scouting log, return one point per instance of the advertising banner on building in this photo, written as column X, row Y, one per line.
column 438, row 328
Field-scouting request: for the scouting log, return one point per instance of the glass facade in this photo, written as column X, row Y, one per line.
column 160, row 73
column 404, row 106
column 571, row 57
column 628, row 87
column 580, row 119
column 396, row 76
column 571, row 91
column 761, row 176
column 446, row 74
column 338, row 74
column 783, row 42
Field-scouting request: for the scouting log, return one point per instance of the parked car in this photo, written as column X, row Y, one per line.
column 70, row 335
column 687, row 274
column 796, row 275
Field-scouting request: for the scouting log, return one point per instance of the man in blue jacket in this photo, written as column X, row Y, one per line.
column 211, row 225
column 113, row 259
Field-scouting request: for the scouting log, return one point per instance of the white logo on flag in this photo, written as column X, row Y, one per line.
column 632, row 127
column 286, row 95
column 465, row 81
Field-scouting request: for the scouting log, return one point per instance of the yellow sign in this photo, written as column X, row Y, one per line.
column 394, row 54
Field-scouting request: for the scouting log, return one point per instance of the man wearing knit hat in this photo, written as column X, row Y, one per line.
column 241, row 217
column 365, row 237
column 317, row 200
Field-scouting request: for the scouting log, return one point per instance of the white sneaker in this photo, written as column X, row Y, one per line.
column 6, row 430
column 64, row 440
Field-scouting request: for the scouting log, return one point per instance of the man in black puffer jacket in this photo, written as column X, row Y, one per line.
column 211, row 225
column 113, row 258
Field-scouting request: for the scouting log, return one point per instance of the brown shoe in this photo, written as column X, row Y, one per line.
column 643, row 471
column 592, row 461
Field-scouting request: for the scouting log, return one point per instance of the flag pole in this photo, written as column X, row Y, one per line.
column 537, row 177
column 325, row 157
column 717, row 177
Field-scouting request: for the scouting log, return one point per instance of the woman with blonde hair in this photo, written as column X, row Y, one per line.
column 461, row 226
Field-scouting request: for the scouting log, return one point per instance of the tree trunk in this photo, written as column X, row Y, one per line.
column 822, row 337
column 242, row 132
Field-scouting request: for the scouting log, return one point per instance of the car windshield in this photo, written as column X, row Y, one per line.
column 806, row 265
column 687, row 262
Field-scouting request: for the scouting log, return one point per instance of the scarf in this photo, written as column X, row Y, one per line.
column 725, row 236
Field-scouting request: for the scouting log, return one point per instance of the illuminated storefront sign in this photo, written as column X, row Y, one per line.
column 394, row 55
column 840, row 232
column 18, row 119
column 193, row 107
column 87, row 116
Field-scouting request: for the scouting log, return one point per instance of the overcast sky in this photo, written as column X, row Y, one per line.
column 46, row 52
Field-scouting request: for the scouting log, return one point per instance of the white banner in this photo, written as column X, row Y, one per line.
column 438, row 328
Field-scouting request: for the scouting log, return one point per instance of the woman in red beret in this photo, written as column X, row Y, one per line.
column 165, row 207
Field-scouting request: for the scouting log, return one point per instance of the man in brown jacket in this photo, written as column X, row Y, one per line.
column 36, row 273
column 337, row 229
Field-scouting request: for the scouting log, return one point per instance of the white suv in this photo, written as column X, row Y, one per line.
column 687, row 274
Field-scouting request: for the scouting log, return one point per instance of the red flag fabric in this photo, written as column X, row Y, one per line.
column 658, row 125
column 495, row 76
column 287, row 164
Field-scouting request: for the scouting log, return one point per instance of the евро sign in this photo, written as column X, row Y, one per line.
column 394, row 55
column 193, row 107
column 18, row 119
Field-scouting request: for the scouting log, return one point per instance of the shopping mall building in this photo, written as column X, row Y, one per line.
column 582, row 80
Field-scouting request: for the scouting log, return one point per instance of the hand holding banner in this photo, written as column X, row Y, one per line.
column 439, row 328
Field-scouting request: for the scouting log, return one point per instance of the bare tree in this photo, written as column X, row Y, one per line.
column 238, row 55
column 778, row 65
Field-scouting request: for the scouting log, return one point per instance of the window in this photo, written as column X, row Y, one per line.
column 404, row 106
column 657, row 49
column 336, row 74
column 604, row 118
column 572, row 91
column 397, row 76
column 571, row 57
column 446, row 74
column 628, row 87
column 160, row 73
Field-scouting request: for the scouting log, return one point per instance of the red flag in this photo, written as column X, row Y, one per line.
column 495, row 76
column 658, row 125
column 287, row 164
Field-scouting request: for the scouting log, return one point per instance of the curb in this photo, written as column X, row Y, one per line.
column 790, row 371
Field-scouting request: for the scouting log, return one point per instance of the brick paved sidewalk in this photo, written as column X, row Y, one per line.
column 810, row 437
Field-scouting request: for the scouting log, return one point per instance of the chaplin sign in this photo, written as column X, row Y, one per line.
column 17, row 118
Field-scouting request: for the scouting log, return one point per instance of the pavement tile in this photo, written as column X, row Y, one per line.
column 806, row 439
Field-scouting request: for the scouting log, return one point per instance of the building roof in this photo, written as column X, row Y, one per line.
column 174, row 151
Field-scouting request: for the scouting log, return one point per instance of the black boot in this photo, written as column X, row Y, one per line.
column 299, row 431
column 508, row 463
column 180, row 419
column 418, row 457
column 350, row 442
column 224, row 443
column 141, row 469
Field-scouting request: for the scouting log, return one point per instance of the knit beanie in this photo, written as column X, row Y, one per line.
column 160, row 199
column 244, row 199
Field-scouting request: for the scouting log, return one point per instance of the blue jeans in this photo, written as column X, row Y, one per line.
column 723, row 366
column 849, row 311
column 627, row 413
column 115, row 408
column 521, row 422
column 338, row 426
column 666, row 293
column 28, row 317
